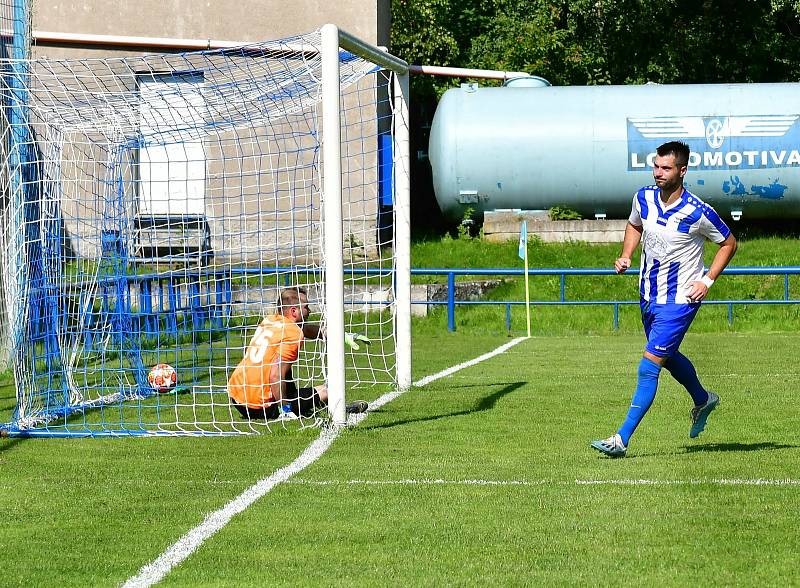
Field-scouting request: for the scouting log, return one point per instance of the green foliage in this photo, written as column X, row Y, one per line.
column 563, row 213
column 466, row 227
column 421, row 34
column 576, row 42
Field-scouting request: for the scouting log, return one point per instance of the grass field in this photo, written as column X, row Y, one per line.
column 483, row 477
column 560, row 320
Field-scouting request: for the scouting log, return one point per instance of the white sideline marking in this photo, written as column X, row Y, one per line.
column 440, row 482
column 710, row 481
column 155, row 571
column 423, row 482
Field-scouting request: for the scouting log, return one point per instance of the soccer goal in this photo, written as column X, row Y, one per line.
column 154, row 207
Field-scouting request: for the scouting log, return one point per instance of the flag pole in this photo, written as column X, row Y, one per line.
column 527, row 292
column 522, row 251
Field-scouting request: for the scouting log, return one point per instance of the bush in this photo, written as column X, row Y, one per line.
column 557, row 213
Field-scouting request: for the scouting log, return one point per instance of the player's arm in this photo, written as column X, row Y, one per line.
column 353, row 340
column 279, row 379
column 699, row 290
column 633, row 235
column 313, row 331
column 727, row 249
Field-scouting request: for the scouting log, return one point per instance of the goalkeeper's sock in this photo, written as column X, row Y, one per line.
column 642, row 398
column 684, row 373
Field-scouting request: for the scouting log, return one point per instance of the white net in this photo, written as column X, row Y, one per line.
column 154, row 209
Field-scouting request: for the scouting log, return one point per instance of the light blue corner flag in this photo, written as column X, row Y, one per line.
column 523, row 239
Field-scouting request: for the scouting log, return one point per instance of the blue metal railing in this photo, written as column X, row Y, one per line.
column 562, row 273
column 201, row 295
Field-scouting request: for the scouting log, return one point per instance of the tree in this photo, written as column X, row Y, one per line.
column 605, row 41
column 585, row 42
column 421, row 34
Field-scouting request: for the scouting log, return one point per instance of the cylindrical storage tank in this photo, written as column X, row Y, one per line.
column 589, row 148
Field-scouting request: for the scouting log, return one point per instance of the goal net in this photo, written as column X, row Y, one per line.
column 154, row 208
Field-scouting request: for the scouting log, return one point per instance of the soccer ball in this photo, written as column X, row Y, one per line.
column 162, row 377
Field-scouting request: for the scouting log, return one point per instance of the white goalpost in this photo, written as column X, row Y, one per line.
column 332, row 38
column 154, row 207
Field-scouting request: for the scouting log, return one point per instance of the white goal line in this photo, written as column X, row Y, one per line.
column 157, row 569
column 545, row 482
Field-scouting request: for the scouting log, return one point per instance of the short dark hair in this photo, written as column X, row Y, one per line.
column 679, row 149
column 290, row 297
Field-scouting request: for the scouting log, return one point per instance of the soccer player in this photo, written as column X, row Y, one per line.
column 261, row 386
column 673, row 225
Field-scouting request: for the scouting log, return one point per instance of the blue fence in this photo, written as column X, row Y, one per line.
column 562, row 274
column 155, row 304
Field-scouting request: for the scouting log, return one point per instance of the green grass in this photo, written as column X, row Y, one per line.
column 79, row 512
column 476, row 253
column 92, row 511
column 559, row 320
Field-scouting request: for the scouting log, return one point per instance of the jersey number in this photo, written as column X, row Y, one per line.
column 260, row 342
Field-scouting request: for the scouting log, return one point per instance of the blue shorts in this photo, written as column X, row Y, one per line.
column 665, row 325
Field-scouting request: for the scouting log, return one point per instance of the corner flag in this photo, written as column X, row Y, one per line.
column 523, row 253
column 523, row 240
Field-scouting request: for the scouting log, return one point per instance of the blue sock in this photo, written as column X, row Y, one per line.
column 683, row 371
column 642, row 398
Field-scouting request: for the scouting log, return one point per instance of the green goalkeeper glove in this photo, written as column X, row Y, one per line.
column 353, row 340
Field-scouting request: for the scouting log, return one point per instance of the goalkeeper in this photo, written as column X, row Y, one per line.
column 262, row 387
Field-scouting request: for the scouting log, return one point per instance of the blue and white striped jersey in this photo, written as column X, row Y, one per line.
column 672, row 243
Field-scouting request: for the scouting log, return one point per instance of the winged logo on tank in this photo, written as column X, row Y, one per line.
column 714, row 129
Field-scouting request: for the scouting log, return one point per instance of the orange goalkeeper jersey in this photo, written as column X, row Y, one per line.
column 276, row 340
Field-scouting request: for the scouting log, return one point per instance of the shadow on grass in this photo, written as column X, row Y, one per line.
column 486, row 403
column 764, row 446
column 7, row 444
column 711, row 448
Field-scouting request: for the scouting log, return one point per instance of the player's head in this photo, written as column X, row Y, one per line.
column 293, row 304
column 671, row 164
column 679, row 149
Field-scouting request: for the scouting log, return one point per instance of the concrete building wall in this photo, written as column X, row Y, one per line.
column 226, row 20
column 231, row 216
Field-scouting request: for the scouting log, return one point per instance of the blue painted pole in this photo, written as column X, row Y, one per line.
column 20, row 46
column 16, row 164
column 451, row 302
column 228, row 296
column 196, row 304
column 146, row 307
column 217, row 307
column 172, row 301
